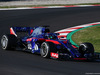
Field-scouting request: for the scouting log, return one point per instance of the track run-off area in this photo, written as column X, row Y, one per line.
column 68, row 32
column 23, row 63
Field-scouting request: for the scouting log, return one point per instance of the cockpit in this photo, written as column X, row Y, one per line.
column 42, row 32
column 39, row 31
column 51, row 36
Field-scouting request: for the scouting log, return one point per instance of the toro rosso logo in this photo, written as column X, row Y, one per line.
column 54, row 55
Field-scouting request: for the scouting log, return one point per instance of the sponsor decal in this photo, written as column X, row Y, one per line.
column 55, row 55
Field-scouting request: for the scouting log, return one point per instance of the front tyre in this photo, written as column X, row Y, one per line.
column 46, row 48
column 8, row 41
column 86, row 49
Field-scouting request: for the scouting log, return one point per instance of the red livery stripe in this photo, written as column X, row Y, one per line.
column 29, row 39
column 12, row 31
column 55, row 42
column 74, row 46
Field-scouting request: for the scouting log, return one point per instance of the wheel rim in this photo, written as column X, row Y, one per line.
column 44, row 49
column 4, row 42
column 85, row 50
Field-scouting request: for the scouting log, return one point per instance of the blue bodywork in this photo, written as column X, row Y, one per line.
column 37, row 35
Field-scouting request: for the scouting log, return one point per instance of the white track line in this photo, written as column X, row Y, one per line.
column 20, row 8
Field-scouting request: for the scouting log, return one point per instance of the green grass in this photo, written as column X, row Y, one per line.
column 91, row 34
column 16, row 6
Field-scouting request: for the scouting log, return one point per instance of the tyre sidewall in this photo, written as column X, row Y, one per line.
column 86, row 48
column 4, row 37
column 11, row 41
column 47, row 54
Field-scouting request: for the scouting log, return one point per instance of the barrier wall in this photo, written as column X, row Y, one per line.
column 43, row 2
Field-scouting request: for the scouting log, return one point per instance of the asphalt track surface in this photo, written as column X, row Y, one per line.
column 23, row 63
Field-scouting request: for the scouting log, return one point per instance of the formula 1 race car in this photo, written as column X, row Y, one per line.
column 48, row 45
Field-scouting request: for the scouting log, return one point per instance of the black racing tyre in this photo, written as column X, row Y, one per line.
column 8, row 42
column 86, row 48
column 46, row 48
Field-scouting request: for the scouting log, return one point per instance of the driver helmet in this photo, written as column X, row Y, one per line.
column 51, row 37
